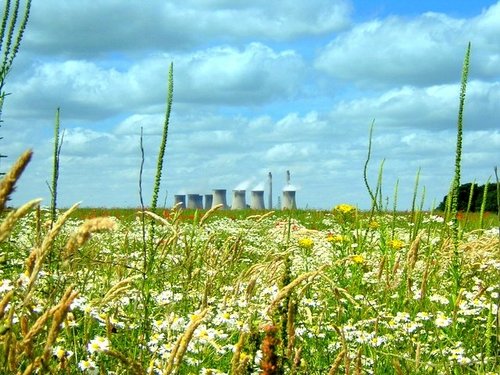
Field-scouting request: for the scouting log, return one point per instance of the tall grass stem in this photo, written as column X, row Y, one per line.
column 163, row 144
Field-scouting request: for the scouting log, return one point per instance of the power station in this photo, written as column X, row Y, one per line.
column 239, row 199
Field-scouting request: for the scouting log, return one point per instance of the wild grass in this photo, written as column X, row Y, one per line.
column 245, row 292
column 261, row 293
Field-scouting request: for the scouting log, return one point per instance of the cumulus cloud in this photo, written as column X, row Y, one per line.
column 250, row 76
column 103, row 26
column 219, row 75
column 249, row 98
column 424, row 50
column 433, row 107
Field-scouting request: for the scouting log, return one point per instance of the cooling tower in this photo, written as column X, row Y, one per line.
column 180, row 198
column 239, row 200
column 270, row 201
column 289, row 200
column 194, row 201
column 208, row 201
column 219, row 197
column 257, row 200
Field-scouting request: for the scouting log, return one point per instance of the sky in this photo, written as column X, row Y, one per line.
column 259, row 86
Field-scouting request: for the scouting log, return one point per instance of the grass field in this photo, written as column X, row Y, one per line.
column 242, row 292
column 128, row 291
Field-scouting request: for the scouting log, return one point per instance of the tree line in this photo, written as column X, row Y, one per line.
column 471, row 196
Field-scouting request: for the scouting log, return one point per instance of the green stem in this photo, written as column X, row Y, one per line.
column 161, row 154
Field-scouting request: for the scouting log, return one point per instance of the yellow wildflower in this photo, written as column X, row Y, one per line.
column 345, row 208
column 334, row 238
column 306, row 243
column 358, row 259
column 373, row 224
column 396, row 244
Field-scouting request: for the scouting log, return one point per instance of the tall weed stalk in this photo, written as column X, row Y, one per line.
column 456, row 263
column 365, row 170
column 55, row 170
column 11, row 34
column 163, row 144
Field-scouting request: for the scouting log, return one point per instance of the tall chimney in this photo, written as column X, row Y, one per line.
column 257, row 201
column 270, row 199
column 219, row 197
column 287, row 177
column 180, row 198
column 239, row 200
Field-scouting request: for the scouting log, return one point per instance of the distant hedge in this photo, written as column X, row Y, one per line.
column 477, row 198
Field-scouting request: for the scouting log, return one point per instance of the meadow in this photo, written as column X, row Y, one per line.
column 242, row 292
column 167, row 291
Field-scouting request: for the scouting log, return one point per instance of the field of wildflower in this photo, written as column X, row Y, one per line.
column 222, row 292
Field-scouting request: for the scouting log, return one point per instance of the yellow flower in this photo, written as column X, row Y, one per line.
column 345, row 208
column 396, row 244
column 306, row 243
column 334, row 238
column 358, row 259
column 373, row 224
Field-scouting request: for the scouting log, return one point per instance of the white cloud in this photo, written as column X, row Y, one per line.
column 425, row 50
column 219, row 75
column 225, row 74
column 103, row 26
column 433, row 107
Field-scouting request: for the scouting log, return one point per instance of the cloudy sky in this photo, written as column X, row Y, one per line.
column 260, row 86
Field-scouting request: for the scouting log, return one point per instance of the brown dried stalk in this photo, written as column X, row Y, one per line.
column 116, row 290
column 359, row 368
column 181, row 345
column 290, row 327
column 209, row 212
column 133, row 366
column 411, row 258
column 10, row 178
column 13, row 216
column 5, row 301
column 397, row 367
column 37, row 256
column 58, row 314
column 84, row 231
column 236, row 360
column 381, row 268
column 338, row 361
column 287, row 290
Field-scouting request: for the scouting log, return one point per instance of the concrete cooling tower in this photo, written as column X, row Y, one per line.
column 257, row 200
column 239, row 202
column 194, row 201
column 219, row 197
column 208, row 201
column 180, row 198
column 289, row 200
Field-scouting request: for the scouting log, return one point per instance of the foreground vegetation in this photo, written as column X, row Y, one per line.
column 296, row 292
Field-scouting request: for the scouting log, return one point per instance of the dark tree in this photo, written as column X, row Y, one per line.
column 464, row 194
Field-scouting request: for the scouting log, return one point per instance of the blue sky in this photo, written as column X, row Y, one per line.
column 259, row 87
